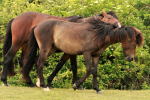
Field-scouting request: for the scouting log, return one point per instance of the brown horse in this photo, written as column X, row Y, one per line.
column 17, row 35
column 89, row 39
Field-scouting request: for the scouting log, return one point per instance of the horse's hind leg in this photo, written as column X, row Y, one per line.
column 40, row 63
column 24, row 49
column 21, row 60
column 74, row 70
column 8, row 64
column 24, row 52
column 30, row 83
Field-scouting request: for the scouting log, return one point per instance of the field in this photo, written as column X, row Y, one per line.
column 26, row 93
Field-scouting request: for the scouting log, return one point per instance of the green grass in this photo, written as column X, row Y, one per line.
column 26, row 93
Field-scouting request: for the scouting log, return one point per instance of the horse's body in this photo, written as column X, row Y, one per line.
column 17, row 35
column 89, row 39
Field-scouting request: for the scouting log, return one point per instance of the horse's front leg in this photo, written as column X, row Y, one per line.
column 87, row 57
column 95, row 63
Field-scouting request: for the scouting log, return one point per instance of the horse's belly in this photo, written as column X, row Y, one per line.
column 52, row 50
column 69, row 46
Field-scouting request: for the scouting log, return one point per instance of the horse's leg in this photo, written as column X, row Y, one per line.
column 74, row 69
column 35, row 62
column 24, row 48
column 40, row 63
column 87, row 57
column 20, row 61
column 62, row 61
column 95, row 63
column 8, row 63
column 24, row 51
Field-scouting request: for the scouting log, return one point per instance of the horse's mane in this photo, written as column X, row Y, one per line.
column 127, row 32
column 102, row 29
column 74, row 18
column 98, row 25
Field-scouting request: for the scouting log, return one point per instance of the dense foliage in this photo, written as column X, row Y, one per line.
column 113, row 71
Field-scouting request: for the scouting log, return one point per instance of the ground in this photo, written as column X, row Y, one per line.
column 27, row 93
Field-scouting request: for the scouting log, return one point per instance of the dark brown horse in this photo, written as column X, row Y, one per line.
column 17, row 35
column 89, row 39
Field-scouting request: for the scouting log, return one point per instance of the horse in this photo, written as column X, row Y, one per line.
column 18, row 31
column 89, row 39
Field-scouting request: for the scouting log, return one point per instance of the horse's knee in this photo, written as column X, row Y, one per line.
column 94, row 73
column 7, row 59
column 88, row 71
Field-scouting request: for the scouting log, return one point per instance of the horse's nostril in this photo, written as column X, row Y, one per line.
column 131, row 59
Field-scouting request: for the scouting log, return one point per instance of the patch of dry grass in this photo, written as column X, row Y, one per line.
column 26, row 93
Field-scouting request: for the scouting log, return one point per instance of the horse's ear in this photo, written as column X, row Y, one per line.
column 139, row 39
column 104, row 14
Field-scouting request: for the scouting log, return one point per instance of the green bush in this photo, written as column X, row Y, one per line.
column 112, row 73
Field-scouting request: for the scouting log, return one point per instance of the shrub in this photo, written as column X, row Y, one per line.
column 113, row 71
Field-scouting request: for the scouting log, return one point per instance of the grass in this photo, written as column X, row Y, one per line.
column 26, row 93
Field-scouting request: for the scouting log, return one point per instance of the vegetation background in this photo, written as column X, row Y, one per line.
column 113, row 71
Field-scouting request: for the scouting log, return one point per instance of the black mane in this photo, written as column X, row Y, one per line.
column 116, row 34
column 74, row 18
column 101, row 28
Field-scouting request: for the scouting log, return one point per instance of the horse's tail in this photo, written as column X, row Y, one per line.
column 31, row 54
column 8, row 38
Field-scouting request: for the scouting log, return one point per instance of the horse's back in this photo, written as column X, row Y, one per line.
column 22, row 25
column 66, row 36
column 29, row 19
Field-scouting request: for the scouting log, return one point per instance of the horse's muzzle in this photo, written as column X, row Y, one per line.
column 118, row 25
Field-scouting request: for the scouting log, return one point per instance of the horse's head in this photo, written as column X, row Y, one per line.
column 129, row 44
column 111, row 20
column 129, row 47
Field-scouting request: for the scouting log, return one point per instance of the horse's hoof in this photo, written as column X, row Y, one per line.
column 47, row 89
column 80, row 88
column 6, row 85
column 38, row 82
column 99, row 92
column 74, row 86
column 32, row 85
